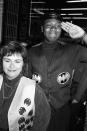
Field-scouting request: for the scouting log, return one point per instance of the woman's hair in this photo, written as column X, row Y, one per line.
column 13, row 47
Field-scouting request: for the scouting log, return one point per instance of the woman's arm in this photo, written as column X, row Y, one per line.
column 42, row 111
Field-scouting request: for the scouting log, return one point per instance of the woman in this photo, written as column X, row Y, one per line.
column 23, row 105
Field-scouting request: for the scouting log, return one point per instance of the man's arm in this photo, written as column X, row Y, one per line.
column 80, row 75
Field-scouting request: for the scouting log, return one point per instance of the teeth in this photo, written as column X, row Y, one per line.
column 11, row 70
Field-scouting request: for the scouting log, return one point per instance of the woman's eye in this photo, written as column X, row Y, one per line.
column 18, row 61
column 7, row 60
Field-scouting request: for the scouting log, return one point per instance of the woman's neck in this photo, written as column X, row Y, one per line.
column 13, row 82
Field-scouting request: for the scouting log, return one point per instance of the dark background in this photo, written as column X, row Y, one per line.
column 21, row 19
column 75, row 12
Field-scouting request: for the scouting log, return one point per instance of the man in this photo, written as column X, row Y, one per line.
column 55, row 64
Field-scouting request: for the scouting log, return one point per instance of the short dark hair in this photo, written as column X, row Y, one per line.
column 13, row 47
column 52, row 14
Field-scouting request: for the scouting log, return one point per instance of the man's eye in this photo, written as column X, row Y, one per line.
column 56, row 27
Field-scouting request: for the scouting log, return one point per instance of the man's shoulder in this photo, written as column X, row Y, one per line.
column 83, row 54
column 37, row 45
column 35, row 49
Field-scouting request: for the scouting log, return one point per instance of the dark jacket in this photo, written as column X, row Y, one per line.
column 55, row 66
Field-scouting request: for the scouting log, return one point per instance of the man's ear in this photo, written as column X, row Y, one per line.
column 41, row 28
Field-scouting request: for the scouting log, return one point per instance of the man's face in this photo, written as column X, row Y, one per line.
column 52, row 30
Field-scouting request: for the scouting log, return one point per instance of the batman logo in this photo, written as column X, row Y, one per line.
column 37, row 77
column 63, row 77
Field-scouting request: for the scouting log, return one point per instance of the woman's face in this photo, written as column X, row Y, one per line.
column 12, row 65
column 52, row 30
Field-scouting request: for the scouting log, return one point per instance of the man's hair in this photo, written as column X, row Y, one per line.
column 52, row 14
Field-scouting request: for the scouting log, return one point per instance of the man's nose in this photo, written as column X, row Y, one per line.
column 53, row 28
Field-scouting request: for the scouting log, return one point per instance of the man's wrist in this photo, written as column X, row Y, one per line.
column 74, row 101
column 84, row 37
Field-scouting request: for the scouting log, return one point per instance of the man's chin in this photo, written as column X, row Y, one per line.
column 52, row 39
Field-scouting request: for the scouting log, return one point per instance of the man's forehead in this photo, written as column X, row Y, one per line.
column 52, row 21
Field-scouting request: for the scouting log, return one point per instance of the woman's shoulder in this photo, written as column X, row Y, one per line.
column 27, row 80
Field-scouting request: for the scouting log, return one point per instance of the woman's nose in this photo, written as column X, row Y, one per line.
column 11, row 64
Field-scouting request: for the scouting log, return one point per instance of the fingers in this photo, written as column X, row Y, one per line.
column 73, row 30
column 67, row 26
